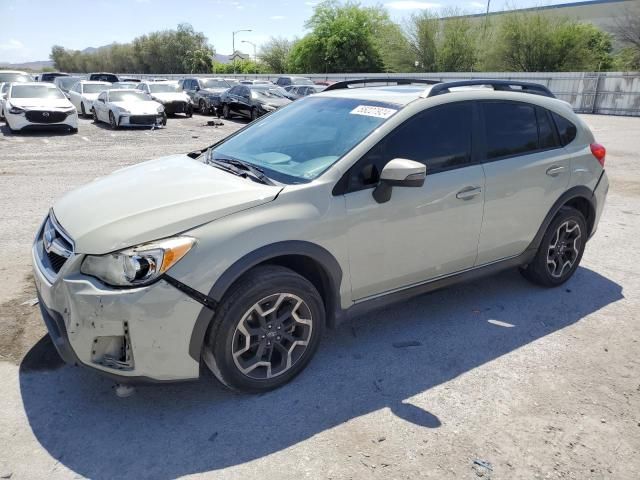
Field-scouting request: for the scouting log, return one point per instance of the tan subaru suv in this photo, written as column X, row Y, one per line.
column 236, row 257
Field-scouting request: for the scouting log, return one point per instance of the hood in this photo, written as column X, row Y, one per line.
column 213, row 91
column 153, row 200
column 171, row 96
column 139, row 108
column 55, row 103
column 275, row 101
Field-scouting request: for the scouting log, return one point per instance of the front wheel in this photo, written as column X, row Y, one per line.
column 560, row 250
column 266, row 329
column 94, row 115
column 189, row 112
column 82, row 110
column 112, row 121
column 254, row 114
column 202, row 107
column 226, row 112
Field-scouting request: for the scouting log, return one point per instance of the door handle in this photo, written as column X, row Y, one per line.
column 468, row 193
column 555, row 170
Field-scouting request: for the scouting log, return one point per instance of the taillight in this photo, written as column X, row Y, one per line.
column 599, row 152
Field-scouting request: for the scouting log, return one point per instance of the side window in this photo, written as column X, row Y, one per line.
column 234, row 90
column 139, row 86
column 566, row 129
column 245, row 92
column 439, row 137
column 546, row 133
column 510, row 129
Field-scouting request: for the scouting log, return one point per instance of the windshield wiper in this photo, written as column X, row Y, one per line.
column 240, row 168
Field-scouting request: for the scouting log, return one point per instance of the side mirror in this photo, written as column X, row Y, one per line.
column 197, row 88
column 3, row 95
column 399, row 172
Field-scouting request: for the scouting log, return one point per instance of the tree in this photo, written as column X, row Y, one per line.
column 170, row 51
column 537, row 42
column 422, row 32
column 627, row 32
column 342, row 39
column 457, row 45
column 275, row 54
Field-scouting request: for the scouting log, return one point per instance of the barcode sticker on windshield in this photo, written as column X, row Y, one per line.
column 371, row 111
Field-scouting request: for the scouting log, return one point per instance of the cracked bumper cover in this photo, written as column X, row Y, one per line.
column 157, row 319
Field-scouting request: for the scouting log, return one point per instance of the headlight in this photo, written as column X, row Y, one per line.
column 16, row 110
column 138, row 265
column 268, row 108
column 69, row 111
column 125, row 111
column 160, row 109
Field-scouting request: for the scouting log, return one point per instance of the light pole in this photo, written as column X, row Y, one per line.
column 255, row 57
column 233, row 45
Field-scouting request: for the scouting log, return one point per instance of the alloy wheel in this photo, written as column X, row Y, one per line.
column 564, row 248
column 272, row 336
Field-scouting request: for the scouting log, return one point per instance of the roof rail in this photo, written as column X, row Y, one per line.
column 396, row 81
column 503, row 85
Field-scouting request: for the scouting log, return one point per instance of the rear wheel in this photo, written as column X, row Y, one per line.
column 560, row 250
column 202, row 107
column 73, row 130
column 266, row 329
column 226, row 112
column 254, row 114
column 94, row 115
column 189, row 111
column 82, row 110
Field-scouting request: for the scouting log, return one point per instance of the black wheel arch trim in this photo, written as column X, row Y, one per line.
column 579, row 191
column 319, row 255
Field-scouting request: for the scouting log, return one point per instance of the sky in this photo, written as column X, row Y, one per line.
column 29, row 28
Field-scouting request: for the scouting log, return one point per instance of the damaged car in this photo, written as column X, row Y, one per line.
column 169, row 94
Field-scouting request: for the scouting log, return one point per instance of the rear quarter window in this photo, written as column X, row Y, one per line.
column 567, row 131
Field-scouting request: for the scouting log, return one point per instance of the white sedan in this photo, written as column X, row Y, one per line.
column 127, row 107
column 169, row 94
column 34, row 104
column 84, row 93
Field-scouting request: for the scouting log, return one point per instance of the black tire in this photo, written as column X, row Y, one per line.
column 94, row 115
column 260, row 284
column 164, row 119
column 202, row 107
column 254, row 114
column 112, row 121
column 555, row 252
column 73, row 130
column 226, row 112
column 83, row 112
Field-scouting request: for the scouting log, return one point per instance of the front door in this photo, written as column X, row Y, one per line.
column 420, row 233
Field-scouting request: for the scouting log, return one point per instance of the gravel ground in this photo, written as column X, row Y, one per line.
column 494, row 379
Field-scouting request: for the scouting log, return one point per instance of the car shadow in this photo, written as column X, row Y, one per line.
column 374, row 362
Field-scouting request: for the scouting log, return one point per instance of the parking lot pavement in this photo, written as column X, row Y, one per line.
column 494, row 378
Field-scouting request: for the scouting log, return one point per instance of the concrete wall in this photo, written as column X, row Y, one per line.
column 610, row 93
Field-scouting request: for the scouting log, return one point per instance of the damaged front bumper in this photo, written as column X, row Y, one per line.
column 129, row 334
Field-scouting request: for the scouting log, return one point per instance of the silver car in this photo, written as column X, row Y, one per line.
column 241, row 254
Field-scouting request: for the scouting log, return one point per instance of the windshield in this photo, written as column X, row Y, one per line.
column 273, row 92
column 299, row 142
column 132, row 96
column 67, row 82
column 301, row 81
column 36, row 91
column 164, row 87
column 94, row 87
column 212, row 83
column 15, row 77
column 125, row 85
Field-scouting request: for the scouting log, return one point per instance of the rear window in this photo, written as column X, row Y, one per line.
column 15, row 77
column 566, row 130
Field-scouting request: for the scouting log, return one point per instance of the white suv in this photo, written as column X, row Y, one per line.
column 240, row 254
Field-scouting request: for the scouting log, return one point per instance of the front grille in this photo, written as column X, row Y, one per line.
column 53, row 246
column 176, row 106
column 56, row 261
column 40, row 116
column 142, row 119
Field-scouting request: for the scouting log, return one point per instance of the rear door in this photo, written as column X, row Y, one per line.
column 526, row 172
column 424, row 232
